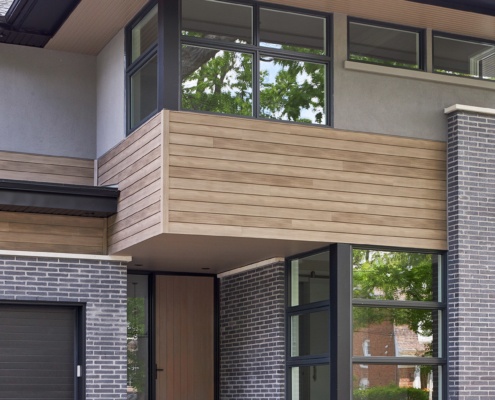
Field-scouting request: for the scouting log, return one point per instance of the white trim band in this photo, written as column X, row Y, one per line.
column 249, row 267
column 473, row 109
column 64, row 255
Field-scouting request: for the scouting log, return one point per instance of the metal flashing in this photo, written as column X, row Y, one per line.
column 61, row 199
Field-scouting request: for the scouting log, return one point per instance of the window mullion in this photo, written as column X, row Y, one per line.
column 340, row 321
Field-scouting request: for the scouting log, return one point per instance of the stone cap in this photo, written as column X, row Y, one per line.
column 472, row 109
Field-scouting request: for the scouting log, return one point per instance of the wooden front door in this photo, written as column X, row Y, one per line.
column 185, row 338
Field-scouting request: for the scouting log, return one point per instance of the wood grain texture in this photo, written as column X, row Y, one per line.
column 135, row 166
column 185, row 337
column 51, row 169
column 52, row 233
column 241, row 177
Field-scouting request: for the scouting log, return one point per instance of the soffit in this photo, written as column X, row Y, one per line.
column 93, row 24
column 405, row 12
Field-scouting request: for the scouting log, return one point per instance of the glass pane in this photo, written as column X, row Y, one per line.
column 144, row 92
column 385, row 46
column 310, row 382
column 309, row 334
column 397, row 382
column 145, row 33
column 217, row 80
column 310, row 279
column 137, row 337
column 290, row 31
column 384, row 275
column 217, row 20
column 463, row 58
column 292, row 90
column 396, row 332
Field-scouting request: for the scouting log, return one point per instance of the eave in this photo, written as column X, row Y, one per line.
column 486, row 7
column 60, row 199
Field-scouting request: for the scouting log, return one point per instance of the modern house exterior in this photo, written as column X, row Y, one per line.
column 204, row 199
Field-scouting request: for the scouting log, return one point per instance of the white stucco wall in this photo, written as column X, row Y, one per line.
column 47, row 102
column 110, row 87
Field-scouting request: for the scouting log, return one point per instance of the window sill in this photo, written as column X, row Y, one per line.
column 420, row 75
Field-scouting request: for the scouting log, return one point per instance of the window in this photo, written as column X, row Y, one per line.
column 278, row 71
column 142, row 72
column 385, row 45
column 138, row 340
column 463, row 57
column 378, row 315
column 308, row 319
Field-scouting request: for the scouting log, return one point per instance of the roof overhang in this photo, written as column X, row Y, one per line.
column 34, row 22
column 52, row 198
column 486, row 7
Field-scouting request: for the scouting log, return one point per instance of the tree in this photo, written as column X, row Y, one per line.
column 222, row 81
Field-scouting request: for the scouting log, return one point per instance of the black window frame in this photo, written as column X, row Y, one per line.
column 340, row 307
column 168, row 52
column 460, row 38
column 379, row 24
column 133, row 67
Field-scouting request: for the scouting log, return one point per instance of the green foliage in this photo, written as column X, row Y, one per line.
column 289, row 89
column 393, row 276
column 382, row 61
column 136, row 320
column 223, row 84
column 391, row 392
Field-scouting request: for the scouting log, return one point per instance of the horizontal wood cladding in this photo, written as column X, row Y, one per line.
column 52, row 233
column 250, row 178
column 53, row 169
column 136, row 167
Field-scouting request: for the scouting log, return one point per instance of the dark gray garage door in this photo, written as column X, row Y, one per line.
column 37, row 352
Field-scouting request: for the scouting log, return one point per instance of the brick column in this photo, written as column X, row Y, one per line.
column 471, row 259
column 252, row 334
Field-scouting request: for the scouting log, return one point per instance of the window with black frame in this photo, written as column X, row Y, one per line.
column 365, row 324
column 463, row 57
column 142, row 72
column 251, row 60
column 387, row 45
column 308, row 320
column 397, row 320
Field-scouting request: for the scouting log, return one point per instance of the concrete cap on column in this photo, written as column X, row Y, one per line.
column 473, row 109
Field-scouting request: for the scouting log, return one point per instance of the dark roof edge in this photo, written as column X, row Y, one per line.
column 61, row 199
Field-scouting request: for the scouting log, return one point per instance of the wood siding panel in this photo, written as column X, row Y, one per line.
column 52, row 233
column 135, row 166
column 38, row 168
column 240, row 177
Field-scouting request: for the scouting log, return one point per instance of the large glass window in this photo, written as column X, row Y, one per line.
column 385, row 45
column 365, row 324
column 253, row 61
column 461, row 57
column 397, row 319
column 308, row 353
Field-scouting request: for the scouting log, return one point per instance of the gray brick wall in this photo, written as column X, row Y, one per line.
column 101, row 285
column 252, row 334
column 471, row 260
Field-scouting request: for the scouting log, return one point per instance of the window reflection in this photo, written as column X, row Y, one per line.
column 137, row 337
column 310, row 382
column 292, row 90
column 144, row 92
column 217, row 81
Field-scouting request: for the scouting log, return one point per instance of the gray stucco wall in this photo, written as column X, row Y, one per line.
column 471, row 271
column 393, row 105
column 102, row 287
column 48, row 102
column 111, row 95
column 252, row 334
